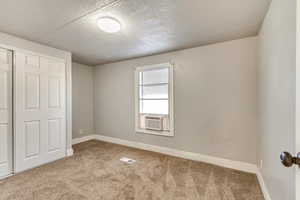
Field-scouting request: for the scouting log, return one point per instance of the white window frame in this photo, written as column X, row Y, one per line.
column 169, row 133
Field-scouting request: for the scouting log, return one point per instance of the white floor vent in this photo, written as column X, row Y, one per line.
column 127, row 160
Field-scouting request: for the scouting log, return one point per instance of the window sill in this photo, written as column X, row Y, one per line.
column 159, row 133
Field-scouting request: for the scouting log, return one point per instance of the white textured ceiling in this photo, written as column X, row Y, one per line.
column 149, row 26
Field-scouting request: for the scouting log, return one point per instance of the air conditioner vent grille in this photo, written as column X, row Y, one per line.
column 154, row 123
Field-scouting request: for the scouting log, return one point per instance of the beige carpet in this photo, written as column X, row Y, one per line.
column 96, row 173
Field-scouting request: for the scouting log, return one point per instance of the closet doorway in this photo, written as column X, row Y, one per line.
column 39, row 110
column 32, row 110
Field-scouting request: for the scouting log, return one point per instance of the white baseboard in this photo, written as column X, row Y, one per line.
column 242, row 166
column 7, row 176
column 237, row 165
column 70, row 152
column 263, row 185
column 83, row 139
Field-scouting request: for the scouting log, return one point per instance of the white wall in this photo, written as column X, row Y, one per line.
column 83, row 100
column 215, row 100
column 276, row 85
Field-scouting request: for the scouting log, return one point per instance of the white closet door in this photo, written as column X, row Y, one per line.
column 5, row 112
column 40, row 117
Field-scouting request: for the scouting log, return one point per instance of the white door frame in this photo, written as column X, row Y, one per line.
column 17, row 44
column 6, row 116
column 297, row 124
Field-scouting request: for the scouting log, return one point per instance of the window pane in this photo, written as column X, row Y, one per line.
column 154, row 107
column 154, row 92
column 140, row 78
column 155, row 76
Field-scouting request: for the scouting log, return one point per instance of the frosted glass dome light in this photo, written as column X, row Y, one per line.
column 109, row 24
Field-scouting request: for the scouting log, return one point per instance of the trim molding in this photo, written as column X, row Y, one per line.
column 263, row 186
column 70, row 152
column 6, row 176
column 83, row 139
column 246, row 167
column 237, row 165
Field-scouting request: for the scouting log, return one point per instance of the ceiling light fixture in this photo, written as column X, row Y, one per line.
column 109, row 24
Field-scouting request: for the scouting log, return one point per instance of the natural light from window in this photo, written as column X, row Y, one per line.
column 154, row 99
column 154, row 87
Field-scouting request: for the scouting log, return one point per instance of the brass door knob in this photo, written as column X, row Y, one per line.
column 288, row 160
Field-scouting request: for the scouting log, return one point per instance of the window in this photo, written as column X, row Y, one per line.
column 154, row 99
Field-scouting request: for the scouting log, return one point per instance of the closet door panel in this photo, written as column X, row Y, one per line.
column 55, row 105
column 32, row 91
column 32, row 139
column 40, row 110
column 3, row 89
column 54, row 133
column 3, row 144
column 5, row 112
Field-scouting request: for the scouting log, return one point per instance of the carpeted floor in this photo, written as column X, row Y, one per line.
column 96, row 173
